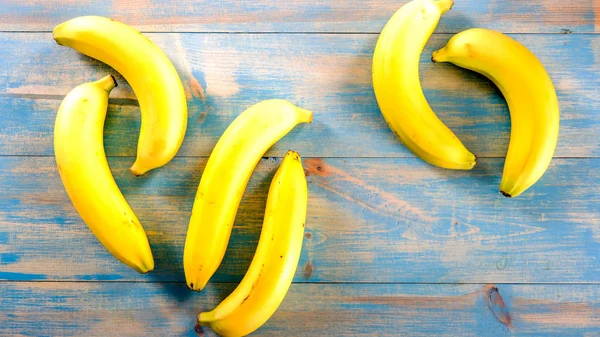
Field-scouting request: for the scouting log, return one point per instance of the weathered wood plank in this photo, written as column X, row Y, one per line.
column 143, row 309
column 548, row 16
column 330, row 74
column 369, row 220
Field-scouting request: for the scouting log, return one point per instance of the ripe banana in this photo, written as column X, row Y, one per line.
column 398, row 89
column 82, row 165
column 270, row 274
column 151, row 75
column 224, row 181
column 530, row 95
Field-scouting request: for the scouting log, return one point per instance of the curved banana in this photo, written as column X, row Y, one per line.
column 398, row 89
column 224, row 181
column 151, row 75
column 529, row 92
column 82, row 165
column 272, row 269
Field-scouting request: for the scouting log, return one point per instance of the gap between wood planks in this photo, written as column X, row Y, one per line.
column 310, row 282
column 279, row 157
column 562, row 32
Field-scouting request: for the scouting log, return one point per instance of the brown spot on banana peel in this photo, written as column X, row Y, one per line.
column 245, row 298
column 295, row 154
column 252, row 289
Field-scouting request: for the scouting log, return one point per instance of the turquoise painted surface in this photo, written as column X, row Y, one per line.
column 149, row 309
column 539, row 16
column 330, row 74
column 393, row 246
column 392, row 220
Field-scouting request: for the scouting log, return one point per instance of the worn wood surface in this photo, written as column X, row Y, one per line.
column 393, row 246
column 539, row 16
column 392, row 220
column 329, row 74
column 159, row 309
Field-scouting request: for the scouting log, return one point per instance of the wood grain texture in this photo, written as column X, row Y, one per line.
column 547, row 16
column 329, row 74
column 150, row 309
column 388, row 237
column 369, row 220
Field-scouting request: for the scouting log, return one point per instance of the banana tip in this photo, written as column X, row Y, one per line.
column 293, row 155
column 196, row 288
column 474, row 161
column 506, row 194
column 136, row 171
column 435, row 56
column 56, row 34
column 144, row 269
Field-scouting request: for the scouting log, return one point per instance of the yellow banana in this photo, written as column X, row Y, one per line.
column 224, row 181
column 151, row 75
column 529, row 92
column 272, row 270
column 82, row 165
column 398, row 89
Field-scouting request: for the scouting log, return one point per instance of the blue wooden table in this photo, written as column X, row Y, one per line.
column 393, row 246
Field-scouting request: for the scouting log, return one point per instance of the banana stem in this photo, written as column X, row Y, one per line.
column 107, row 83
column 305, row 116
column 205, row 318
column 444, row 5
